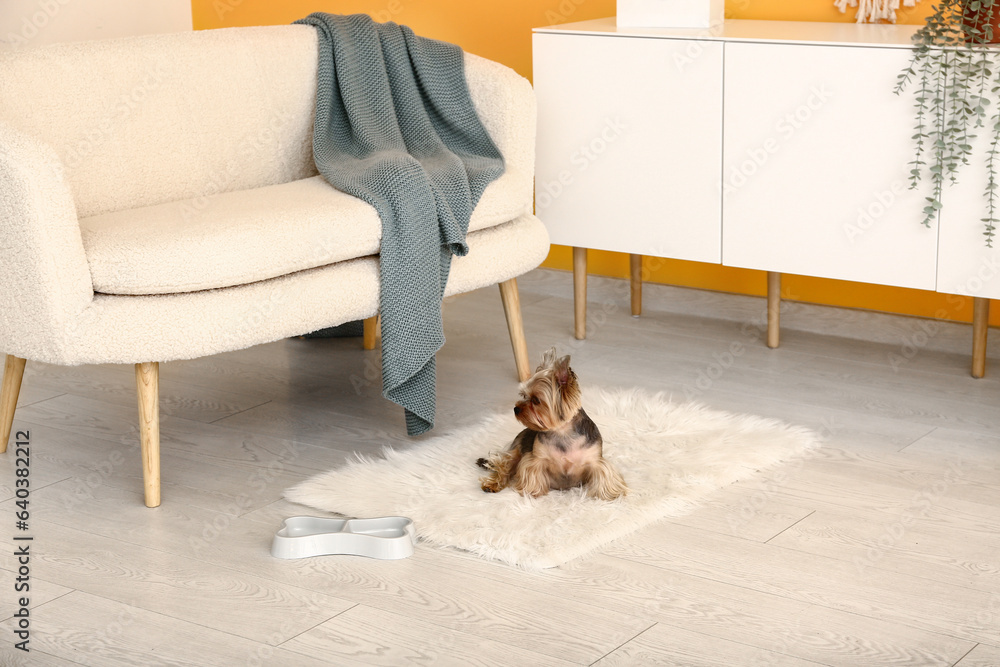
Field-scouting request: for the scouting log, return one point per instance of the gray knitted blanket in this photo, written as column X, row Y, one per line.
column 395, row 127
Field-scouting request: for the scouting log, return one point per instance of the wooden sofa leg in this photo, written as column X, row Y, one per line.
column 773, row 309
column 13, row 371
column 371, row 332
column 635, row 266
column 980, row 328
column 147, row 380
column 580, row 293
column 515, row 326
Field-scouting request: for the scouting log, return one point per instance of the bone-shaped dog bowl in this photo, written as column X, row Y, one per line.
column 387, row 537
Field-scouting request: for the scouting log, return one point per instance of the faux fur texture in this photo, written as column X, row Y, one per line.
column 672, row 455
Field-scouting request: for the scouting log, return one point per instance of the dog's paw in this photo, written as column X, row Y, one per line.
column 490, row 484
column 484, row 464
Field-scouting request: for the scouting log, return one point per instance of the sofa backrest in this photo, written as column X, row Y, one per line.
column 152, row 119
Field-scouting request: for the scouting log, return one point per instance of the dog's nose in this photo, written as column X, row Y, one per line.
column 517, row 410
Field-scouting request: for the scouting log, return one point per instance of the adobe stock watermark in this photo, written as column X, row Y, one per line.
column 257, row 145
column 264, row 653
column 257, row 483
column 83, row 488
column 715, row 369
column 126, row 105
column 392, row 9
column 621, row 291
column 563, row 11
column 986, row 618
column 779, row 648
column 34, row 23
column 868, row 216
column 919, row 507
column 750, row 506
column 695, row 47
column 371, row 374
column 113, row 632
column 926, row 329
column 581, row 159
column 223, row 7
column 785, row 128
column 753, row 331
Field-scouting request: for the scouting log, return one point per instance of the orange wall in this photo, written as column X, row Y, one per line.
column 501, row 31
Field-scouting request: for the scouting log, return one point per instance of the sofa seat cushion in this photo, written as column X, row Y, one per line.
column 238, row 238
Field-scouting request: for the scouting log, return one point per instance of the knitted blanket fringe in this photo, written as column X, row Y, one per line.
column 395, row 126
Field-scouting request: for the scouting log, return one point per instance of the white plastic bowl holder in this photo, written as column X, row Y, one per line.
column 387, row 537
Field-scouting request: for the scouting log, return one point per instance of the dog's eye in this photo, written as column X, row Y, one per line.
column 534, row 400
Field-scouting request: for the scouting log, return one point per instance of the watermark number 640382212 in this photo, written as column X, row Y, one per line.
column 22, row 540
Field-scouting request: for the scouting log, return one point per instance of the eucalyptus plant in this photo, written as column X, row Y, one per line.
column 957, row 75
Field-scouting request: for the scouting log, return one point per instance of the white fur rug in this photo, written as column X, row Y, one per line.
column 672, row 456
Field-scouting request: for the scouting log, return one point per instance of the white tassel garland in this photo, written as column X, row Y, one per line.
column 873, row 11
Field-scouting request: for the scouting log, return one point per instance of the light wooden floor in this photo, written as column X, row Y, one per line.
column 881, row 549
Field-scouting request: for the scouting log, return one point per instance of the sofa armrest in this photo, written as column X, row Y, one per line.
column 505, row 103
column 44, row 277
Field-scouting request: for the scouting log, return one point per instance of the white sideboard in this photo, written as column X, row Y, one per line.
column 768, row 145
column 621, row 164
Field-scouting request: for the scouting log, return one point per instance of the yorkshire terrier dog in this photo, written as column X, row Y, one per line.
column 560, row 447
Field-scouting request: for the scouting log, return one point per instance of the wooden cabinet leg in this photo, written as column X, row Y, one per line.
column 371, row 332
column 773, row 308
column 515, row 326
column 13, row 371
column 580, row 293
column 980, row 327
column 147, row 380
column 635, row 266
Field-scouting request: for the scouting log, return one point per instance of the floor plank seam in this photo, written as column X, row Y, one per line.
column 211, row 629
column 902, row 450
column 53, row 483
column 966, row 655
column 252, row 407
column 70, row 591
column 119, row 439
column 39, row 402
column 191, row 555
column 310, row 629
column 888, row 571
column 626, row 642
column 665, row 568
column 780, row 532
column 874, row 616
column 527, row 586
column 33, row 608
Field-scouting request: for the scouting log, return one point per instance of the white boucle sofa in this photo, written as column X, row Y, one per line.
column 159, row 201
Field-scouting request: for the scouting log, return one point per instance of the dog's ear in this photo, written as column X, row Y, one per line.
column 562, row 370
column 548, row 359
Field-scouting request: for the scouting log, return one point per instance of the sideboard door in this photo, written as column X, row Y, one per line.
column 630, row 143
column 966, row 265
column 815, row 174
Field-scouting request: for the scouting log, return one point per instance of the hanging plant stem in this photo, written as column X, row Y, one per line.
column 958, row 78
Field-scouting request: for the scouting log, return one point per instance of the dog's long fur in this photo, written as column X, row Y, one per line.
column 560, row 447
